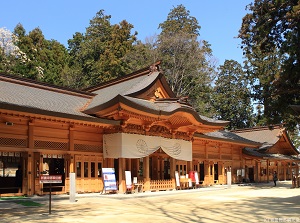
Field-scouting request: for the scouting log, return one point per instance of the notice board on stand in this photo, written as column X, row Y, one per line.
column 109, row 179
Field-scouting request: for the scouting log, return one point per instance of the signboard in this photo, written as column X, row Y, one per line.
column 196, row 178
column 51, row 179
column 177, row 179
column 128, row 179
column 229, row 179
column 109, row 179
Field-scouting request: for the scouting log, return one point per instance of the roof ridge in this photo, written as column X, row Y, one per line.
column 146, row 70
column 259, row 128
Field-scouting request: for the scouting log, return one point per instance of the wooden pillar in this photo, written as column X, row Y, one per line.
column 257, row 171
column 220, row 172
column 277, row 169
column 122, row 166
column 146, row 173
column 71, row 148
column 189, row 166
column 30, row 166
column 155, row 169
column 172, row 167
column 36, row 173
column 213, row 173
column 297, row 175
column 135, row 163
column 290, row 170
column 162, row 167
column 222, row 166
column 268, row 171
column 72, row 164
column 284, row 171
column 128, row 165
column 30, row 174
column 206, row 173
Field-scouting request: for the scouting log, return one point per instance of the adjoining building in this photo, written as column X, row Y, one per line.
column 133, row 123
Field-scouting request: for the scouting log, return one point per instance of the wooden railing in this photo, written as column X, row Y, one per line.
column 157, row 185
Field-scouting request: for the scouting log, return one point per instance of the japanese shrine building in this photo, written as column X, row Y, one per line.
column 131, row 123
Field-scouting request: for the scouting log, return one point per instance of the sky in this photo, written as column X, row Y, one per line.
column 220, row 20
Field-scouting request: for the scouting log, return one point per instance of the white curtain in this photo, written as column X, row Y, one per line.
column 123, row 145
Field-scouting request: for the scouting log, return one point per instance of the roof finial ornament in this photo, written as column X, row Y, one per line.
column 183, row 99
column 153, row 68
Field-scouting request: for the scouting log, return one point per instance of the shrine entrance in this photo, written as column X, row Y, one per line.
column 11, row 181
column 54, row 166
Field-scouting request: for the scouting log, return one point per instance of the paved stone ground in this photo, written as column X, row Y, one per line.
column 250, row 203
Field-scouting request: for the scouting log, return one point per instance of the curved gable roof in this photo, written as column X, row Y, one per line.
column 268, row 136
column 126, row 87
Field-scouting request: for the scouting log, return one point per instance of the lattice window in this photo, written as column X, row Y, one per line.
column 13, row 142
column 88, row 148
column 51, row 145
column 213, row 156
column 226, row 157
column 198, row 155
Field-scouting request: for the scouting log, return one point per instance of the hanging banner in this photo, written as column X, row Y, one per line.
column 124, row 145
column 109, row 179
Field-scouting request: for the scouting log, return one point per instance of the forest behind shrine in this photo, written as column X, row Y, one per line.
column 258, row 92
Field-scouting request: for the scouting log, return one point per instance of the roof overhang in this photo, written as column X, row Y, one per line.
column 35, row 112
column 229, row 140
column 149, row 108
column 256, row 154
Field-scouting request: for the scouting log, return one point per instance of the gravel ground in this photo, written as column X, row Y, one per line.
column 239, row 203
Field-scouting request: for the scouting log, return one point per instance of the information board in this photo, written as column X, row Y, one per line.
column 109, row 179
column 51, row 179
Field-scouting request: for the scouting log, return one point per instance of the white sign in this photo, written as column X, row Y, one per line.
column 196, row 178
column 128, row 179
column 177, row 179
column 229, row 179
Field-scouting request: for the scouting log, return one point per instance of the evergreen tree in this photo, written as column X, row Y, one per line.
column 101, row 50
column 231, row 96
column 42, row 59
column 270, row 40
column 187, row 62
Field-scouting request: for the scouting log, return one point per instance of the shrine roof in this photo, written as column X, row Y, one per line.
column 277, row 156
column 227, row 136
column 261, row 134
column 26, row 95
column 106, row 93
column 268, row 136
